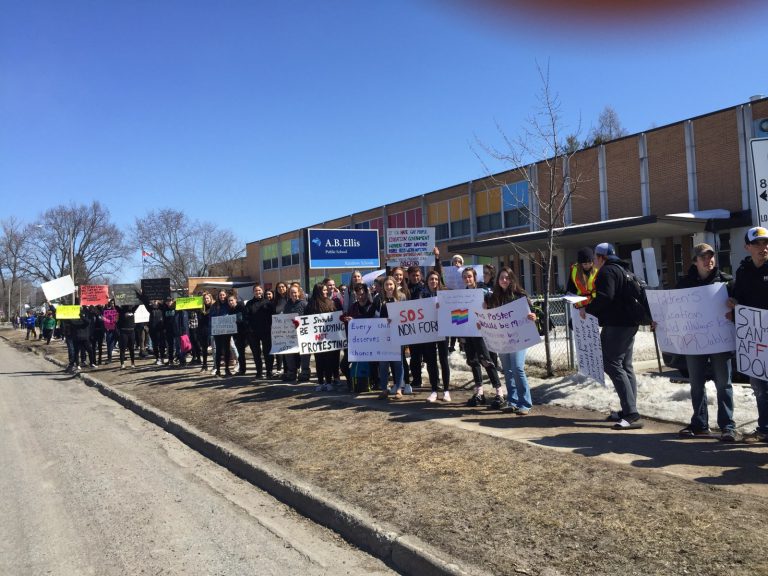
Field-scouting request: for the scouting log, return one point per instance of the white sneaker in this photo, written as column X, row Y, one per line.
column 446, row 396
column 158, row 362
column 122, row 365
column 432, row 397
column 408, row 389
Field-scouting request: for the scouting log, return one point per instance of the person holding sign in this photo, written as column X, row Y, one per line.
column 326, row 363
column 438, row 349
column 751, row 289
column 390, row 294
column 292, row 362
column 704, row 272
column 258, row 312
column 221, row 341
column 126, row 325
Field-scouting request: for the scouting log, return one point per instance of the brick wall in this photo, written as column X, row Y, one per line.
column 585, row 201
column 718, row 174
column 667, row 170
column 623, row 178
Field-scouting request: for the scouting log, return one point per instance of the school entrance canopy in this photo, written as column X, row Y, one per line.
column 618, row 231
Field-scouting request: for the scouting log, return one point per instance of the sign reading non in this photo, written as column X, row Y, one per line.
column 414, row 321
column 125, row 295
column 156, row 288
column 343, row 248
column 94, row 295
column 410, row 247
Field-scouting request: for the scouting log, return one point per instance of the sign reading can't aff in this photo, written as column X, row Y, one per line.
column 345, row 248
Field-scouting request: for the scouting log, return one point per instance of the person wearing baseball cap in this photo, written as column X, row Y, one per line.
column 751, row 289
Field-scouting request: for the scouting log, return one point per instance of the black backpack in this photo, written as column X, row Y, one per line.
column 635, row 300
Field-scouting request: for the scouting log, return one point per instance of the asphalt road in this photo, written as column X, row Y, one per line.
column 87, row 487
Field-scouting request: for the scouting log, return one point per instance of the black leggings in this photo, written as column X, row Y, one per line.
column 127, row 342
column 222, row 349
column 478, row 357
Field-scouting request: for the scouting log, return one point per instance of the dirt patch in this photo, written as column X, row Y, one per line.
column 507, row 507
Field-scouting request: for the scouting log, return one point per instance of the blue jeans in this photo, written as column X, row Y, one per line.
column 617, row 343
column 518, row 391
column 760, row 388
column 397, row 370
column 721, row 369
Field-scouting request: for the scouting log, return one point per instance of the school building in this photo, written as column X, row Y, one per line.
column 668, row 188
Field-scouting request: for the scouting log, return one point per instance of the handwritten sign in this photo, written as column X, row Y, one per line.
column 414, row 321
column 454, row 281
column 141, row 316
column 589, row 350
column 319, row 333
column 189, row 303
column 223, row 325
column 752, row 341
column 506, row 329
column 94, row 295
column 125, row 295
column 58, row 288
column 67, row 312
column 284, row 339
column 456, row 313
column 156, row 288
column 370, row 340
column 110, row 319
column 692, row 320
column 410, row 247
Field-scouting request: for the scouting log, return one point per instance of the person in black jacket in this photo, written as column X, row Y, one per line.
column 258, row 314
column 156, row 328
column 617, row 336
column 704, row 272
column 126, row 326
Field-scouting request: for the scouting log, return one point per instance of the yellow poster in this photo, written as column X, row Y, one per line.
column 189, row 303
column 68, row 312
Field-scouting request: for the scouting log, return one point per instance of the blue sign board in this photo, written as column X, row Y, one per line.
column 347, row 248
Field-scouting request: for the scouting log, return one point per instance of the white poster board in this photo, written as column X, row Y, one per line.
column 58, row 288
column 319, row 333
column 414, row 321
column 456, row 313
column 692, row 320
column 370, row 340
column 410, row 246
column 589, row 350
column 752, row 341
column 454, row 281
column 223, row 325
column 506, row 329
column 284, row 338
column 141, row 316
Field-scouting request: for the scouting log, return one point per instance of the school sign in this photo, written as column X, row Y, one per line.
column 343, row 248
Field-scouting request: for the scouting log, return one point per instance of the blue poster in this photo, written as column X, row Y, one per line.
column 347, row 248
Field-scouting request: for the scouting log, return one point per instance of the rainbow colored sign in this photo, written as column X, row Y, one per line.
column 460, row 316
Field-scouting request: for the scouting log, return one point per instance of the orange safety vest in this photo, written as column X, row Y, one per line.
column 582, row 289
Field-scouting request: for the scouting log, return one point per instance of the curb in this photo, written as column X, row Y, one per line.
column 405, row 553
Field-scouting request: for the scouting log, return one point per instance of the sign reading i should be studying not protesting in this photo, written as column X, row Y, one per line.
column 319, row 333
column 752, row 341
column 284, row 339
column 410, row 247
column 506, row 329
column 456, row 314
column 370, row 340
column 414, row 321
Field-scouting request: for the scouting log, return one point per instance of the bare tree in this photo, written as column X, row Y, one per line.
column 608, row 128
column 76, row 239
column 180, row 247
column 12, row 247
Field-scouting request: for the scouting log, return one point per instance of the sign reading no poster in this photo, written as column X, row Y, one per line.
column 410, row 247
column 345, row 248
column 156, row 288
column 507, row 329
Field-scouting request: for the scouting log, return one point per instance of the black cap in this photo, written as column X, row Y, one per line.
column 585, row 255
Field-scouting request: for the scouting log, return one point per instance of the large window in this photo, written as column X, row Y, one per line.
column 449, row 217
column 439, row 217
column 516, row 204
column 373, row 224
column 406, row 219
column 488, row 210
column 290, row 252
column 269, row 256
column 459, row 212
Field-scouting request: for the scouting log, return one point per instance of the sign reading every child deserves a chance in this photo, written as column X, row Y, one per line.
column 319, row 333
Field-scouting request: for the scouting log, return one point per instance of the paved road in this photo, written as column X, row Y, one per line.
column 90, row 488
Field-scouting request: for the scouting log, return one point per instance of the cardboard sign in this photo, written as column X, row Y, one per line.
column 284, row 339
column 319, row 333
column 589, row 350
column 156, row 288
column 370, row 340
column 94, row 295
column 110, row 319
column 67, row 312
column 189, row 303
column 125, row 295
column 454, row 281
column 752, row 341
column 58, row 288
column 692, row 320
column 414, row 321
column 456, row 313
column 410, row 247
column 506, row 329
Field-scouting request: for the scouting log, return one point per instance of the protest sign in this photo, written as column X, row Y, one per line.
column 456, row 311
column 589, row 350
column 284, row 339
column 319, row 333
column 410, row 247
column 58, row 288
column 189, row 303
column 141, row 316
column 223, row 325
column 156, row 288
column 752, row 341
column 454, row 281
column 506, row 329
column 67, row 312
column 414, row 321
column 125, row 295
column 370, row 340
column 110, row 318
column 692, row 320
column 94, row 295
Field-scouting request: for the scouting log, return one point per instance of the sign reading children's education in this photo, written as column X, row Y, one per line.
column 58, row 288
column 189, row 303
column 67, row 312
column 319, row 333
column 156, row 288
column 223, row 325
column 506, row 329
column 414, row 321
column 589, row 350
column 452, row 276
column 692, row 320
column 370, row 340
column 94, row 295
column 343, row 248
column 125, row 295
column 752, row 341
column 410, row 246
column 456, row 313
column 284, row 339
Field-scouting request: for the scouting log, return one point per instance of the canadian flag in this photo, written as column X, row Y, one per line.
column 144, row 254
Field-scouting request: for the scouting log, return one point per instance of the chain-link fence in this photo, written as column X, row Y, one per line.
column 560, row 341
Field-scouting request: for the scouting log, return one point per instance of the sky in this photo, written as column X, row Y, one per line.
column 263, row 117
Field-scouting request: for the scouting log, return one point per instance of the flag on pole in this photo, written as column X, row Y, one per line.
column 144, row 254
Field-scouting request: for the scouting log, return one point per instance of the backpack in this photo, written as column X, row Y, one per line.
column 635, row 300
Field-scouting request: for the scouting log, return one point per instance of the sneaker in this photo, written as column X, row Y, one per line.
column 408, row 389
column 259, row 376
column 133, row 365
column 227, row 372
column 497, row 403
column 158, row 362
column 122, row 365
column 217, row 373
column 510, row 408
column 446, row 396
column 614, row 416
column 691, row 432
column 526, row 411
column 269, row 376
column 730, row 436
column 93, row 365
column 432, row 397
column 625, row 424
column 476, row 400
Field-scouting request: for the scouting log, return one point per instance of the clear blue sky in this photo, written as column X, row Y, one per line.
column 265, row 116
